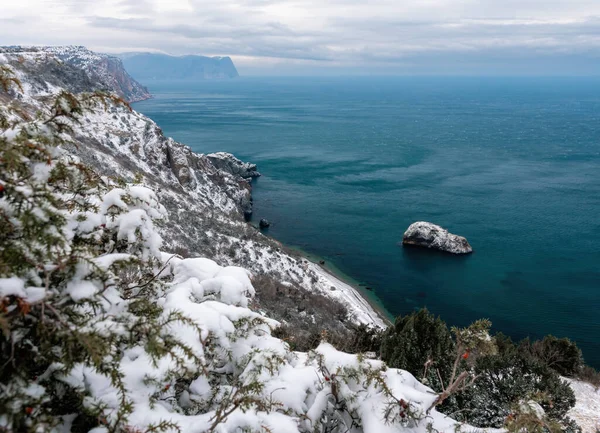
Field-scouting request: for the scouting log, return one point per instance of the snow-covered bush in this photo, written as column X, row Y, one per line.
column 103, row 332
column 418, row 339
column 508, row 378
column 482, row 380
column 65, row 234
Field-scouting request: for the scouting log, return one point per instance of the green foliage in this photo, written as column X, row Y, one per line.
column 504, row 380
column 416, row 340
column 362, row 339
column 590, row 375
column 530, row 423
column 481, row 380
column 47, row 246
column 560, row 354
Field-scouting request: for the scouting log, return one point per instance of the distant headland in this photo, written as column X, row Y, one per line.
column 155, row 66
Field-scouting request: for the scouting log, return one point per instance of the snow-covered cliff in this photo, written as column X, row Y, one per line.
column 205, row 196
column 199, row 360
column 104, row 71
column 205, row 200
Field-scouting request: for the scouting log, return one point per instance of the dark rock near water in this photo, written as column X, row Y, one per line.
column 263, row 224
column 428, row 235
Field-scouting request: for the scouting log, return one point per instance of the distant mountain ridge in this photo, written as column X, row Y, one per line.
column 153, row 66
column 100, row 68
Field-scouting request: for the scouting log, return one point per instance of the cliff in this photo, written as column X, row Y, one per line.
column 207, row 197
column 149, row 66
column 208, row 358
column 103, row 71
column 107, row 312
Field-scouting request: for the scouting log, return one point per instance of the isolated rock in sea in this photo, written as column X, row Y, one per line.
column 428, row 235
column 227, row 162
column 263, row 224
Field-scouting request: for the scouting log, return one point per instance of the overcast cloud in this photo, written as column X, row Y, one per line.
column 311, row 36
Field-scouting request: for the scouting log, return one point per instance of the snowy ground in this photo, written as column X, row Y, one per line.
column 203, row 205
column 362, row 311
column 586, row 411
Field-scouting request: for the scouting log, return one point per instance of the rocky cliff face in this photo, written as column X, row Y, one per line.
column 229, row 163
column 103, row 71
column 207, row 197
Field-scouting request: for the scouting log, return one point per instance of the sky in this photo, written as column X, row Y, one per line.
column 323, row 37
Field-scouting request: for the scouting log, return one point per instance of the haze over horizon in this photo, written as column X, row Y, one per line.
column 342, row 37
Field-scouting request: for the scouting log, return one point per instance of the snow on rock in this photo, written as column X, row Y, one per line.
column 229, row 163
column 205, row 196
column 428, row 235
column 586, row 411
column 108, row 70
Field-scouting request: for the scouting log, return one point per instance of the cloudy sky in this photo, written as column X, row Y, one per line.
column 510, row 37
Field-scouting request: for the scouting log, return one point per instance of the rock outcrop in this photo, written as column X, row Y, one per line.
column 206, row 203
column 108, row 71
column 428, row 235
column 227, row 162
column 263, row 224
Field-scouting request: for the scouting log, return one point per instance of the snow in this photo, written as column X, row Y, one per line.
column 586, row 411
column 79, row 290
column 233, row 344
column 13, row 286
column 360, row 310
column 309, row 387
column 106, row 261
column 199, row 268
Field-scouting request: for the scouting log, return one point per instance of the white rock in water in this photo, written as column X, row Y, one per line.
column 428, row 235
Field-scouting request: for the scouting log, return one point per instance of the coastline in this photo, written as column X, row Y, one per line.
column 368, row 309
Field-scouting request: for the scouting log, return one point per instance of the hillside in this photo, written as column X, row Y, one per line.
column 236, row 332
column 206, row 198
column 206, row 360
column 151, row 66
column 104, row 71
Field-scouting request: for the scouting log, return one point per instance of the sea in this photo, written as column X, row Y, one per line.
column 348, row 163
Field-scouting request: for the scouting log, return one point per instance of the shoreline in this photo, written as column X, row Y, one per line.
column 350, row 288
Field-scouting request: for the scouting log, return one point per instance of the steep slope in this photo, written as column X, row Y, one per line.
column 107, row 72
column 104, row 332
column 150, row 66
column 206, row 199
column 206, row 203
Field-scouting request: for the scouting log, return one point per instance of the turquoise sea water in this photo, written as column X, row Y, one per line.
column 348, row 164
